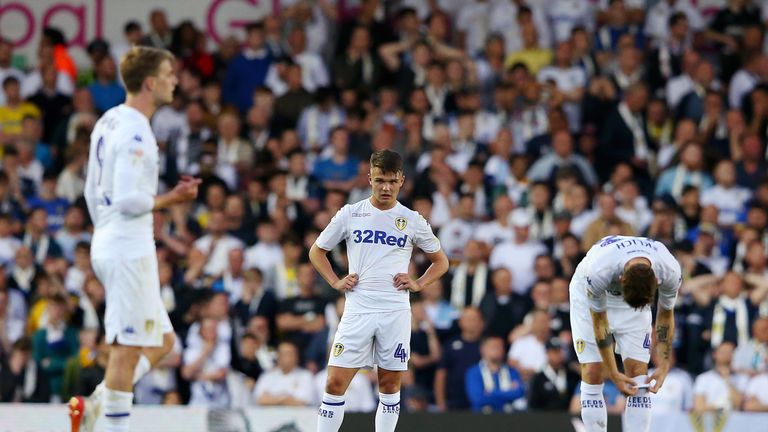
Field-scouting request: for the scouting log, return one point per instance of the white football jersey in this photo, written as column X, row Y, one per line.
column 379, row 246
column 122, row 168
column 605, row 262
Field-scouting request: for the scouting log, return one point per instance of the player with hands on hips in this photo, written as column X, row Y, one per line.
column 375, row 327
column 611, row 293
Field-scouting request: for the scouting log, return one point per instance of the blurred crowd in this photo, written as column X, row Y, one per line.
column 530, row 129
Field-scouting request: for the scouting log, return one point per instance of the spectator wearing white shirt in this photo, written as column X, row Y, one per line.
column 565, row 15
column 756, row 394
column 455, row 233
column 719, row 388
column 314, row 74
column 506, row 17
column 729, row 198
column 633, row 208
column 266, row 253
column 13, row 313
column 8, row 243
column 473, row 23
column 287, row 384
column 528, row 353
column 570, row 81
column 498, row 230
column 212, row 249
column 657, row 19
column 746, row 79
column 206, row 365
column 752, row 358
column 518, row 256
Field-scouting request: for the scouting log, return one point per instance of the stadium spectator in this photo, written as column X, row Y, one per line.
column 459, row 354
column 719, row 388
column 493, row 386
column 552, row 388
column 52, row 345
column 287, row 384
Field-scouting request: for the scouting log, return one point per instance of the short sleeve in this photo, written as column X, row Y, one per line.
column 336, row 231
column 597, row 283
column 670, row 286
column 424, row 238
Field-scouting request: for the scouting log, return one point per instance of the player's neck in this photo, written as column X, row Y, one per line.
column 380, row 206
column 143, row 102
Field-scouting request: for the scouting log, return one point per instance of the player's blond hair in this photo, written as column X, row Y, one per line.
column 141, row 63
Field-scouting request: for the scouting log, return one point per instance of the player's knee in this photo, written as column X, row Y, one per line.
column 389, row 383
column 335, row 385
column 592, row 373
column 124, row 356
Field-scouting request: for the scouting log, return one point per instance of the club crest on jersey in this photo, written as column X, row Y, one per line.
column 338, row 349
column 149, row 325
column 580, row 345
column 400, row 223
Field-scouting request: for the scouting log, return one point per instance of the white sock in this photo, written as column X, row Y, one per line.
column 388, row 412
column 142, row 367
column 593, row 411
column 637, row 417
column 117, row 410
column 331, row 413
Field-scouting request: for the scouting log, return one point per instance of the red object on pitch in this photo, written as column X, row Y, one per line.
column 76, row 411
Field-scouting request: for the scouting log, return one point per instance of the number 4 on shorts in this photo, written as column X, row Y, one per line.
column 401, row 353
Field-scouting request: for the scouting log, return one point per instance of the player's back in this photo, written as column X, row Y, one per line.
column 379, row 246
column 121, row 139
column 605, row 261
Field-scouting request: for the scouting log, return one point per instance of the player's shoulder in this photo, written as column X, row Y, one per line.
column 410, row 215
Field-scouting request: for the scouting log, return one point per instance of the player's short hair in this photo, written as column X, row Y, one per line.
column 387, row 161
column 140, row 63
column 639, row 284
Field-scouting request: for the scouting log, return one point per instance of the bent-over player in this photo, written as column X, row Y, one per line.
column 611, row 292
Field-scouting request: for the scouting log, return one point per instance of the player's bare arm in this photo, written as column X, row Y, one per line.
column 319, row 259
column 604, row 341
column 665, row 329
column 435, row 271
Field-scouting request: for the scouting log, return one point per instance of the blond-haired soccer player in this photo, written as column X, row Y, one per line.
column 121, row 193
column 375, row 327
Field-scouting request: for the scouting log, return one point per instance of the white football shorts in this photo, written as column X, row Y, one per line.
column 135, row 312
column 631, row 328
column 365, row 339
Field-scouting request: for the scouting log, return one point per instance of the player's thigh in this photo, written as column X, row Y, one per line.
column 393, row 340
column 632, row 333
column 134, row 314
column 583, row 333
column 353, row 343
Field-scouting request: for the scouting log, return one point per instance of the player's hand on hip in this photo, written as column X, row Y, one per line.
column 624, row 383
column 657, row 379
column 346, row 283
column 404, row 282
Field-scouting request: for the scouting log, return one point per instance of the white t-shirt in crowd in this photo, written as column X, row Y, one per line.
column 297, row 383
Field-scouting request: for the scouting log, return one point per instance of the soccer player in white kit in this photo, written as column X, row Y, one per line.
column 376, row 324
column 610, row 293
column 121, row 193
